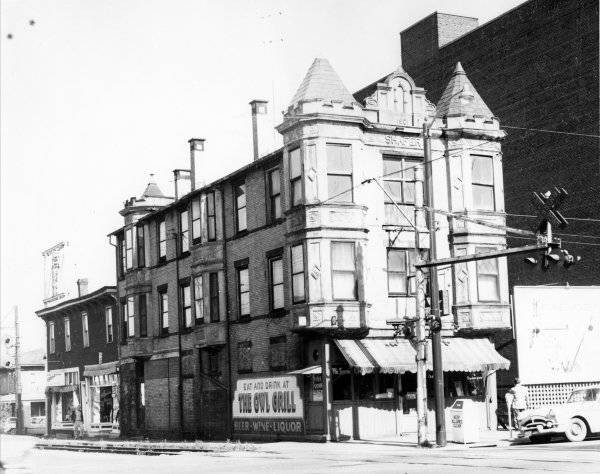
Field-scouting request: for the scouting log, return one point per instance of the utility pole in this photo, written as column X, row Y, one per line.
column 18, row 403
column 419, row 320
column 436, row 326
column 422, row 427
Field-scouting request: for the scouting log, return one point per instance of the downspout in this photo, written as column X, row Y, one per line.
column 118, row 338
column 227, row 319
column 179, row 329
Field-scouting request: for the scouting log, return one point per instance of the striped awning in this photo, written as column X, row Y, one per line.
column 311, row 370
column 390, row 356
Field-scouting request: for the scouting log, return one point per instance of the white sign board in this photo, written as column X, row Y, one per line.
column 558, row 333
column 268, row 405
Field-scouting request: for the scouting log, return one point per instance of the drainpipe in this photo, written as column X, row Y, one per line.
column 227, row 318
column 179, row 329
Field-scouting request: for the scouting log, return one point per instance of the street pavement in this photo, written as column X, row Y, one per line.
column 353, row 457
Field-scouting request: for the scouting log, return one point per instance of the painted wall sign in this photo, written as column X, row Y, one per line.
column 394, row 140
column 268, row 405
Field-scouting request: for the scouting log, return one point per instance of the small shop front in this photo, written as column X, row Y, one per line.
column 100, row 399
column 63, row 395
column 373, row 386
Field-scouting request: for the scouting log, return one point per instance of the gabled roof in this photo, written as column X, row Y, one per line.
column 461, row 99
column 322, row 82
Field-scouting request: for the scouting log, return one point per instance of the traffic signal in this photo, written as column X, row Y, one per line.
column 569, row 259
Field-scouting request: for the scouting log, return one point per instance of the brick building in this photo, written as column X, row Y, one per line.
column 537, row 67
column 256, row 305
column 81, row 336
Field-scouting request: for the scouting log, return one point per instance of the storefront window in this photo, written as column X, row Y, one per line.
column 106, row 405
column 340, row 383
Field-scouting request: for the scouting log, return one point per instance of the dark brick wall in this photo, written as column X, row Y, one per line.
column 80, row 356
column 536, row 67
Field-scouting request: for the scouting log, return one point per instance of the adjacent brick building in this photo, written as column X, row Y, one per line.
column 81, row 336
column 537, row 67
column 256, row 305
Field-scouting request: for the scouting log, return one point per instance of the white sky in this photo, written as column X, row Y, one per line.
column 97, row 94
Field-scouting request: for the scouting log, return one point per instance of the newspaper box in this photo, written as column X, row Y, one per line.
column 464, row 417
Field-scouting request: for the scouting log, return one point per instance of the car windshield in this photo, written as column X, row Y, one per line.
column 585, row 395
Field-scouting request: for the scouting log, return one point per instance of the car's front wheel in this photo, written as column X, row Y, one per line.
column 576, row 430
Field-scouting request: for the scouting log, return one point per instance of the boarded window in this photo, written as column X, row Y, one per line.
column 245, row 357
column 278, row 353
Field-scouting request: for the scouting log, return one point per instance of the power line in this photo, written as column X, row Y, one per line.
column 544, row 130
column 401, row 171
column 585, row 236
column 591, row 244
column 583, row 219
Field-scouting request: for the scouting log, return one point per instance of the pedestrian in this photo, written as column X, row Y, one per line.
column 519, row 400
column 77, row 419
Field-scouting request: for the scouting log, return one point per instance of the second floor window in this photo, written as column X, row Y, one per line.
column 163, row 311
column 482, row 177
column 123, row 321
column 213, row 284
column 399, row 262
column 141, row 246
column 130, row 316
column 298, row 293
column 211, row 216
column 143, row 315
column 184, row 232
column 186, row 305
column 196, row 222
column 108, row 317
column 199, row 299
column 488, row 277
column 343, row 271
column 274, row 194
column 129, row 248
column 276, row 277
column 295, row 177
column 339, row 173
column 162, row 240
column 85, row 329
column 67, row 334
column 240, row 207
column 399, row 182
column 244, row 357
column 243, row 291
column 52, row 341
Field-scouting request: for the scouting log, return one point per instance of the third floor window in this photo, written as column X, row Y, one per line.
column 339, row 173
column 240, row 207
column 274, row 184
column 184, row 232
column 196, row 222
column 141, row 246
column 129, row 248
column 295, row 177
column 482, row 177
column 399, row 182
column 211, row 216
column 162, row 240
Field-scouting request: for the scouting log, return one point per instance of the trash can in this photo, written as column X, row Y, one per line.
column 464, row 417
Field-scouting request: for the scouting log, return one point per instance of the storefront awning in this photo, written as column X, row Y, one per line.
column 391, row 356
column 313, row 369
column 100, row 369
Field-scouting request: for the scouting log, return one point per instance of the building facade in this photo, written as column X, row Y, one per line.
column 537, row 67
column 32, row 367
column 256, row 305
column 82, row 336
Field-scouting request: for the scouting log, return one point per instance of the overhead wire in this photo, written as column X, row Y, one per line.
column 545, row 130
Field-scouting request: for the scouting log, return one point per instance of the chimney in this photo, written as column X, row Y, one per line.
column 262, row 135
column 196, row 153
column 82, row 287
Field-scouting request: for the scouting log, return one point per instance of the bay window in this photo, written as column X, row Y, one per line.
column 199, row 299
column 343, row 271
column 298, row 291
column 130, row 316
column 295, row 177
column 339, row 173
column 488, row 277
column 482, row 178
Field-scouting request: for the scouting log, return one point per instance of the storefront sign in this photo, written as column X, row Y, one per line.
column 268, row 405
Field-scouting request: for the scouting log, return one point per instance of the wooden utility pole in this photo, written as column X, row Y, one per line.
column 435, row 329
column 18, row 403
column 420, row 333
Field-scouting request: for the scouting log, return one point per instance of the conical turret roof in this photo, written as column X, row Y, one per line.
column 461, row 99
column 322, row 82
column 152, row 190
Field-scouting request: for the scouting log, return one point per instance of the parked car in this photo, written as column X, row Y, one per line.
column 10, row 425
column 577, row 418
